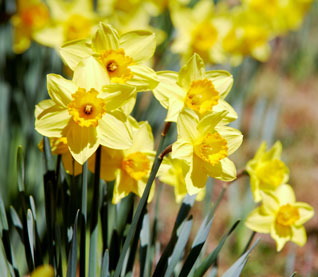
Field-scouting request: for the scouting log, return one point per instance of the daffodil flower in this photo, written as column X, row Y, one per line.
column 194, row 88
column 130, row 168
column 59, row 147
column 85, row 111
column 172, row 172
column 266, row 170
column 70, row 20
column 122, row 56
column 204, row 145
column 281, row 216
column 43, row 271
column 31, row 16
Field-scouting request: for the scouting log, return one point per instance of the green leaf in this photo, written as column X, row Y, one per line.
column 3, row 262
column 197, row 245
column 293, row 275
column 236, row 269
column 105, row 265
column 3, row 218
column 144, row 244
column 16, row 221
column 72, row 257
column 20, row 168
column 183, row 234
column 30, row 226
column 211, row 259
column 83, row 222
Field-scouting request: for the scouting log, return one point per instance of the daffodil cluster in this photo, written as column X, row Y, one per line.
column 278, row 214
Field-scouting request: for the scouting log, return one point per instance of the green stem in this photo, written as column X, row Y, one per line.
column 83, row 222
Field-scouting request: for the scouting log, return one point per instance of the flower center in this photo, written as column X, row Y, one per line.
column 86, row 108
column 77, row 27
column 204, row 37
column 271, row 174
column 287, row 215
column 202, row 96
column 211, row 148
column 136, row 165
column 117, row 65
column 35, row 16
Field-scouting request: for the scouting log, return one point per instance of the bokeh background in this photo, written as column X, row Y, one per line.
column 276, row 100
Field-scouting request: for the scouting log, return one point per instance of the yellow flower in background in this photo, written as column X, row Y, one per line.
column 282, row 16
column 70, row 20
column 204, row 146
column 130, row 168
column 249, row 35
column 281, row 216
column 30, row 17
column 43, row 271
column 122, row 57
column 85, row 111
column 194, row 88
column 266, row 170
column 173, row 172
column 199, row 30
column 59, row 147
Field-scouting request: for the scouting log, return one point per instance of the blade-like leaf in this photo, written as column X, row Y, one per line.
column 105, row 265
column 72, row 257
column 144, row 244
column 20, row 168
column 30, row 225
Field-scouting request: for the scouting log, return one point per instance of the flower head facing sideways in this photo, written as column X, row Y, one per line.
column 85, row 111
column 281, row 216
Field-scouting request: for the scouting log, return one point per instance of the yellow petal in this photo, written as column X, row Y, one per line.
column 299, row 235
column 114, row 131
column 90, row 74
column 43, row 105
column 51, row 36
column 175, row 107
column 71, row 166
column 285, row 194
column 208, row 123
column 224, row 106
column 82, row 142
column 187, row 125
column 116, row 95
column 128, row 107
column 193, row 70
column 254, row 182
column 259, row 222
column 306, row 212
column 274, row 153
column 260, row 151
column 281, row 235
column 225, row 170
column 74, row 51
column 270, row 203
column 123, row 186
column 52, row 121
column 232, row 136
column 198, row 173
column 144, row 78
column 222, row 81
column 109, row 163
column 142, row 139
column 60, row 89
column 106, row 38
column 43, row 271
column 139, row 45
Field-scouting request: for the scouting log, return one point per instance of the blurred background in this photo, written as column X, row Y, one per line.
column 275, row 95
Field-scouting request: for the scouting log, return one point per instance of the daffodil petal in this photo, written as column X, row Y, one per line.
column 270, row 203
column 299, row 235
column 222, row 81
column 123, row 186
column 231, row 114
column 71, row 166
column 90, row 74
column 193, row 70
column 274, row 153
column 281, row 235
column 144, row 77
column 175, row 107
column 224, row 170
column 254, row 181
column 106, row 38
column 43, row 105
column 74, row 51
column 52, row 121
column 208, row 122
column 306, row 212
column 60, row 89
column 285, row 194
column 114, row 131
column 143, row 138
column 259, row 222
column 43, row 271
column 198, row 173
column 187, row 125
column 116, row 95
column 82, row 142
column 139, row 45
column 51, row 36
column 232, row 136
column 182, row 150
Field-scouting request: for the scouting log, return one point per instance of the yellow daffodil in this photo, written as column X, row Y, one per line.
column 84, row 111
column 172, row 172
column 130, row 168
column 31, row 16
column 266, row 170
column 199, row 30
column 196, row 89
column 282, row 16
column 70, row 20
column 59, row 147
column 249, row 35
column 122, row 56
column 43, row 271
column 204, row 146
column 281, row 216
